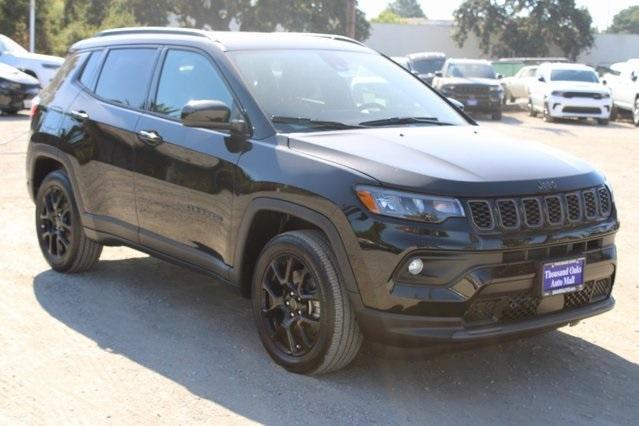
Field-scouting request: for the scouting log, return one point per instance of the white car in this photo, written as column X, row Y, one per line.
column 623, row 81
column 569, row 91
column 516, row 87
column 42, row 67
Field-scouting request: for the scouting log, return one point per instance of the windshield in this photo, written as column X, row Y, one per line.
column 8, row 45
column 339, row 88
column 470, row 70
column 574, row 75
column 429, row 65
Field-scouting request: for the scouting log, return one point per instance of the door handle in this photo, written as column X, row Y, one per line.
column 150, row 137
column 80, row 115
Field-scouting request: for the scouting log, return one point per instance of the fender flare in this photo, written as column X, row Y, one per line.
column 312, row 216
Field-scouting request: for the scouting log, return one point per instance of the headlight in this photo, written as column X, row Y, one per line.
column 6, row 84
column 426, row 208
column 448, row 87
column 605, row 95
column 558, row 93
column 496, row 88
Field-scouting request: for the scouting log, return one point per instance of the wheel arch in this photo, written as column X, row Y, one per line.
column 268, row 217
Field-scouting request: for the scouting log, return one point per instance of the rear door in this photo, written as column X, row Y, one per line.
column 184, row 176
column 106, row 113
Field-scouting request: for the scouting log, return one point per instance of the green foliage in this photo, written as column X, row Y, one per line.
column 406, row 9
column 626, row 21
column 60, row 23
column 524, row 27
column 387, row 17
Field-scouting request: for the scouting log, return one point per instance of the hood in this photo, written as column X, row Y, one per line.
column 577, row 86
column 10, row 73
column 37, row 57
column 477, row 81
column 448, row 160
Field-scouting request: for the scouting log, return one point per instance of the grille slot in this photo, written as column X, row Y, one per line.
column 508, row 214
column 574, row 207
column 554, row 211
column 481, row 212
column 604, row 201
column 532, row 212
column 590, row 204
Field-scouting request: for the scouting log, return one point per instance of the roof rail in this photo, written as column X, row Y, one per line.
column 152, row 30
column 329, row 36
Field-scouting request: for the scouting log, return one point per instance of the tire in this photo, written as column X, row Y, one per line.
column 531, row 108
column 603, row 121
column 547, row 117
column 302, row 312
column 58, row 227
column 496, row 115
column 11, row 111
column 635, row 113
column 614, row 113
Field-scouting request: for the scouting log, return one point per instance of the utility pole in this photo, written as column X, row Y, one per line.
column 32, row 7
column 350, row 18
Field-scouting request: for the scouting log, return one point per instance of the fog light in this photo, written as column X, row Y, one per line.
column 415, row 266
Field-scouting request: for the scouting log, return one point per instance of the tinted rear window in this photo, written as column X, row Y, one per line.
column 125, row 76
column 90, row 69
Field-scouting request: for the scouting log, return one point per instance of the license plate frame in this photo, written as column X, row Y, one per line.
column 562, row 276
column 472, row 102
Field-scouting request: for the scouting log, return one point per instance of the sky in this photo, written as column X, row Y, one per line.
column 602, row 11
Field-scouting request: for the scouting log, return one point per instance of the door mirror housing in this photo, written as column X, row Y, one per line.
column 541, row 79
column 457, row 104
column 439, row 74
column 633, row 76
column 499, row 76
column 211, row 114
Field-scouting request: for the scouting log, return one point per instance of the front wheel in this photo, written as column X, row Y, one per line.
column 531, row 108
column 496, row 115
column 302, row 312
column 60, row 234
column 603, row 121
column 635, row 113
column 547, row 117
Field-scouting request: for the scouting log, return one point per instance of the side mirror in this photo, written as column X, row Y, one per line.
column 457, row 104
column 499, row 76
column 541, row 79
column 211, row 114
column 604, row 82
column 439, row 74
column 633, row 76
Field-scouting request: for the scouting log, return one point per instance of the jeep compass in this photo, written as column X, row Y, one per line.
column 343, row 195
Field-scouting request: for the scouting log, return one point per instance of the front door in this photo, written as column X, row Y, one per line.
column 184, row 176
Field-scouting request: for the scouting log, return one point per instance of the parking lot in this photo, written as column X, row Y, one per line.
column 138, row 340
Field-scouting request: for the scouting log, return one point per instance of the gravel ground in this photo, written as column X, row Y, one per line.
column 138, row 340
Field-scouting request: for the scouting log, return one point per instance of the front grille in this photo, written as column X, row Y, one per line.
column 582, row 95
column 471, row 90
column 581, row 110
column 569, row 209
column 523, row 305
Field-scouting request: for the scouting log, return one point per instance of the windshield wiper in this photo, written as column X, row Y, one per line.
column 404, row 120
column 313, row 123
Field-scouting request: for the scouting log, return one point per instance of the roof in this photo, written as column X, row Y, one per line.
column 227, row 40
column 468, row 61
column 424, row 55
column 565, row 66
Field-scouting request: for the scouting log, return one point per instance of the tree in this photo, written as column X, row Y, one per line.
column 406, row 9
column 626, row 21
column 524, row 27
column 387, row 17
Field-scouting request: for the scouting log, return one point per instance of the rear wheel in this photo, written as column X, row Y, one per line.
column 62, row 240
column 301, row 310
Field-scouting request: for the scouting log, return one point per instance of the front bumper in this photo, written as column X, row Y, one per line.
column 560, row 107
column 11, row 100
column 485, row 102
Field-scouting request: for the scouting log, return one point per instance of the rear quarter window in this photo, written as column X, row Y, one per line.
column 126, row 75
column 90, row 71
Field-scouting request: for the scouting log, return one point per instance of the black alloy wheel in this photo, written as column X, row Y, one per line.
column 291, row 307
column 302, row 312
column 60, row 234
column 55, row 223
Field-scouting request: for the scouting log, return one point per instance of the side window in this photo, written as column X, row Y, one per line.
column 188, row 76
column 89, row 73
column 126, row 75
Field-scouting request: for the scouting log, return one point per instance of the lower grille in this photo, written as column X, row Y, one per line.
column 521, row 306
column 582, row 110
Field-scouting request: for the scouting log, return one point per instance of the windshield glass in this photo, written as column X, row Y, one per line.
column 428, row 66
column 11, row 46
column 574, row 75
column 342, row 88
column 470, row 70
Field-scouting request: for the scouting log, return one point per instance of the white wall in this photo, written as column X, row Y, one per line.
column 399, row 40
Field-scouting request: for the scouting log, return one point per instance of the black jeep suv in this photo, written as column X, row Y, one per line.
column 341, row 193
